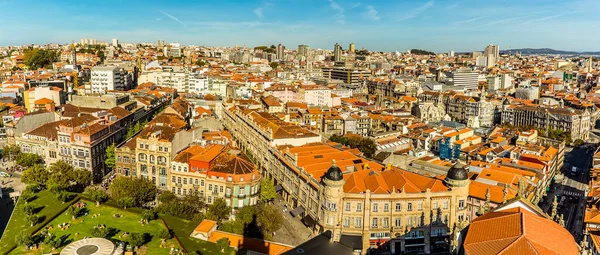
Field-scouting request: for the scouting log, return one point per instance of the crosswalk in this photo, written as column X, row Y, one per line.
column 573, row 193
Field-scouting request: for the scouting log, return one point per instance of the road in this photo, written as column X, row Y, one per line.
column 573, row 188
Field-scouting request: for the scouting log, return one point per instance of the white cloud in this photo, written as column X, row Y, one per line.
column 469, row 20
column 504, row 20
column 259, row 12
column 416, row 11
column 339, row 17
column 553, row 16
column 371, row 13
column 172, row 17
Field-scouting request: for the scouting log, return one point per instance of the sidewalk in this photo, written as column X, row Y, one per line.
column 293, row 231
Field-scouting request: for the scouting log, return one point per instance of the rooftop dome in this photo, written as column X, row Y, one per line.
column 334, row 173
column 458, row 172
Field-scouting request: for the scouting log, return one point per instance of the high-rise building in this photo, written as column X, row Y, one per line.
column 485, row 61
column 280, row 52
column 337, row 52
column 303, row 50
column 493, row 50
column 465, row 78
column 105, row 78
column 451, row 53
column 351, row 48
column 115, row 42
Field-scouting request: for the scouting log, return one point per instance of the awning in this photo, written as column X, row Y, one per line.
column 354, row 242
column 308, row 221
column 278, row 188
column 299, row 210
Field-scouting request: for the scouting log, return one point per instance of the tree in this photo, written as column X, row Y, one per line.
column 54, row 241
column 110, row 156
column 64, row 196
column 236, row 227
column 246, row 215
column 137, row 239
column 219, row 210
column 166, row 197
column 97, row 194
column 164, row 234
column 267, row 190
column 39, row 58
column 270, row 220
column 35, row 175
column 365, row 145
column 578, row 143
column 421, row 52
column 11, row 151
column 27, row 196
column 63, row 176
column 33, row 219
column 178, row 209
column 29, row 159
column 24, row 239
column 102, row 231
column 149, row 215
column 198, row 217
column 138, row 190
column 75, row 211
column 274, row 65
column 200, row 62
column 223, row 245
column 195, row 201
column 126, row 202
column 28, row 209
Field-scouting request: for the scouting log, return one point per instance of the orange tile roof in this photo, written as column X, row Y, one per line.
column 517, row 231
column 479, row 190
column 209, row 153
column 43, row 101
column 251, row 244
column 205, row 226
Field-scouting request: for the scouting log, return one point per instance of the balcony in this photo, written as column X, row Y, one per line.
column 227, row 195
column 241, row 195
column 82, row 155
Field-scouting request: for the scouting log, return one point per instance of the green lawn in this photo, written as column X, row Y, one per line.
column 49, row 206
column 128, row 222
column 183, row 229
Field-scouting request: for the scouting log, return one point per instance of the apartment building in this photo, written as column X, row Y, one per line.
column 353, row 76
column 315, row 95
column 213, row 172
column 465, row 78
column 105, row 78
column 54, row 94
column 577, row 123
column 357, row 199
column 80, row 138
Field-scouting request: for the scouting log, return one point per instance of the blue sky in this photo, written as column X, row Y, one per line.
column 437, row 25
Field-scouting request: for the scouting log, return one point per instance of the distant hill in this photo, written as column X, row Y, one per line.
column 547, row 51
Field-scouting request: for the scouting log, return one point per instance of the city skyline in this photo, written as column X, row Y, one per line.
column 437, row 26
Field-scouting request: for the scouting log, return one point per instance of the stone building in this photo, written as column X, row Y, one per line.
column 364, row 204
column 576, row 123
column 427, row 112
